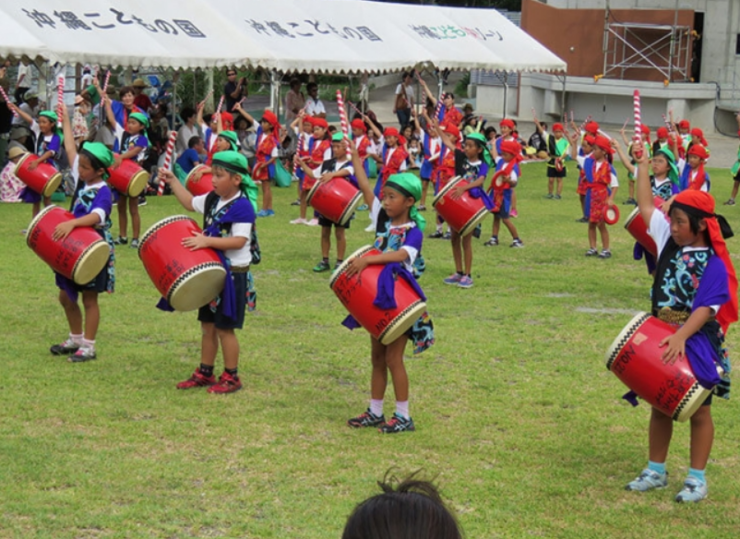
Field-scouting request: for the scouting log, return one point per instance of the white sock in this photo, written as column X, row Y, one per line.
column 77, row 339
column 374, row 211
column 88, row 345
column 402, row 409
column 376, row 406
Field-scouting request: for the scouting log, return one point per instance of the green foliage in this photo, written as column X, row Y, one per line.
column 515, row 412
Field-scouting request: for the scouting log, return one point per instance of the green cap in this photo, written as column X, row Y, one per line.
column 101, row 153
column 673, row 174
column 408, row 184
column 139, row 117
column 237, row 163
column 51, row 115
column 481, row 140
column 337, row 137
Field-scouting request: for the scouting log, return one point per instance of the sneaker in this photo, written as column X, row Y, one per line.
column 557, row 197
column 517, row 243
column 366, row 419
column 82, row 355
column 363, row 207
column 514, row 214
column 321, row 266
column 397, row 424
column 592, row 252
column 313, row 222
column 693, row 491
column 648, row 480
column 465, row 282
column 262, row 213
column 730, row 202
column 270, row 213
column 453, row 279
column 436, row 235
column 370, row 228
column 337, row 264
column 296, row 202
column 226, row 384
column 606, row 253
column 447, row 236
column 630, row 202
column 422, row 207
column 549, row 195
column 582, row 220
column 490, row 243
column 142, row 201
column 299, row 221
column 121, row 240
column 197, row 380
column 135, row 243
column 65, row 348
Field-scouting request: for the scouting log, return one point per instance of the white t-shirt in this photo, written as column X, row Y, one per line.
column 314, row 107
column 513, row 177
column 24, row 72
column 408, row 90
column 338, row 165
column 237, row 257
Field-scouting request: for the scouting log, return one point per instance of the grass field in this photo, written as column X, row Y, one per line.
column 516, row 415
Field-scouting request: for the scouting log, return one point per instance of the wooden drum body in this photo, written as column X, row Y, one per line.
column 129, row 178
column 336, row 199
column 202, row 186
column 44, row 179
column 463, row 214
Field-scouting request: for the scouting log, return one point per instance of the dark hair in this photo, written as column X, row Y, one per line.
column 125, row 90
column 449, row 94
column 187, row 112
column 310, row 86
column 411, row 510
column 405, row 74
column 193, row 142
column 207, row 119
column 543, row 124
column 331, row 129
column 294, row 81
column 490, row 130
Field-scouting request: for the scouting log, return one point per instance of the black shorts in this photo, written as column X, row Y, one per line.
column 323, row 221
column 207, row 315
column 737, row 176
column 553, row 172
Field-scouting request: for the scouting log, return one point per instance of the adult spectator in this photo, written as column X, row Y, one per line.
column 141, row 100
column 87, row 78
column 30, row 105
column 314, row 106
column 234, row 90
column 23, row 83
column 404, row 100
column 5, row 116
column 187, row 131
column 294, row 100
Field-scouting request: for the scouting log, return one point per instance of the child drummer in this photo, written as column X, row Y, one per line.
column 399, row 234
column 695, row 288
column 91, row 205
column 228, row 223
column 336, row 167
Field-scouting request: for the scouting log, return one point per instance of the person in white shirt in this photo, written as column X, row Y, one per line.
column 314, row 106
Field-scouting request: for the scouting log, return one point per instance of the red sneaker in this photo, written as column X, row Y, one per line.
column 197, row 380
column 226, row 384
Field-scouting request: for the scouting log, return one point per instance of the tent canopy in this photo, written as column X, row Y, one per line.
column 329, row 36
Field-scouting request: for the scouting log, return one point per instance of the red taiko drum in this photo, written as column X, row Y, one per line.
column 336, row 199
column 44, row 179
column 611, row 216
column 129, row 178
column 186, row 279
column 463, row 214
column 82, row 254
column 635, row 358
column 358, row 292
column 637, row 228
column 201, row 186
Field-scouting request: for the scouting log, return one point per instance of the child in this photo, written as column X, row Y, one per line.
column 585, row 151
column 508, row 132
column 697, row 137
column 662, row 139
column 502, row 184
column 472, row 164
column 394, row 157
column 134, row 145
column 319, row 150
column 695, row 288
column 647, row 146
column 694, row 176
column 735, row 170
column 49, row 140
column 414, row 508
column 10, row 185
column 303, row 145
column 557, row 150
column 91, row 205
column 602, row 187
column 336, row 167
column 267, row 153
column 189, row 159
column 228, row 224
column 429, row 150
column 399, row 236
column 443, row 168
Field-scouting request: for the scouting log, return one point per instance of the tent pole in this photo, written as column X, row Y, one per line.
column 209, row 87
column 506, row 92
column 562, row 98
column 274, row 90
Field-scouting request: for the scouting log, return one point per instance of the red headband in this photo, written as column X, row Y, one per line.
column 698, row 149
column 557, row 127
column 359, row 124
column 589, row 139
column 227, row 118
column 391, row 132
column 684, row 124
column 592, row 127
column 662, row 132
column 704, row 202
column 696, row 132
column 604, row 144
column 320, row 122
column 452, row 130
column 507, row 123
column 512, row 147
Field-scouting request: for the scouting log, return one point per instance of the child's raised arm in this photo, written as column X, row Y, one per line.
column 623, row 157
column 69, row 141
column 644, row 191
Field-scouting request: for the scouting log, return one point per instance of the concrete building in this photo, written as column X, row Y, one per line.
column 683, row 55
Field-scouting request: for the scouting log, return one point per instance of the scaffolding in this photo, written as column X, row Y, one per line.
column 663, row 48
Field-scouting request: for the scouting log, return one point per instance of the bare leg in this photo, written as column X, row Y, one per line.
column 208, row 344
column 229, row 347
column 303, row 196
column 379, row 379
column 496, row 225
column 266, row 195
column 702, row 437
column 394, row 362
column 72, row 312
column 133, row 208
column 341, row 242
column 92, row 314
column 425, row 189
column 550, row 184
column 560, row 186
column 512, row 228
column 467, row 245
column 592, row 235
column 735, row 187
column 325, row 241
column 604, row 235
column 122, row 216
column 659, row 436
column 456, row 250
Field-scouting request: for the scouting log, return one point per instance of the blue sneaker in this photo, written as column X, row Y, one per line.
column 693, row 491
column 648, row 480
column 465, row 282
column 362, row 207
column 262, row 213
column 453, row 279
column 270, row 213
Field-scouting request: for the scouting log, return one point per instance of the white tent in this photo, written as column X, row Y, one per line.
column 330, row 36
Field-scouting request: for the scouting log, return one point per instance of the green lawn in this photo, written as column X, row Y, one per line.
column 516, row 415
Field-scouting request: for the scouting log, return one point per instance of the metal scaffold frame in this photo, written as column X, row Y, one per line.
column 643, row 46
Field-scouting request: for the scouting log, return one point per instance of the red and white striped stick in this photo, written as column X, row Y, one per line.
column 7, row 100
column 107, row 80
column 583, row 125
column 343, row 122
column 638, row 122
column 208, row 95
column 60, row 98
column 167, row 160
column 220, row 105
column 667, row 124
column 440, row 104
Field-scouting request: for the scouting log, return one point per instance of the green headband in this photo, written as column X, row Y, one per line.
column 408, row 184
column 231, row 138
column 236, row 163
column 337, row 137
column 673, row 174
column 100, row 156
column 483, row 143
column 52, row 116
column 139, row 117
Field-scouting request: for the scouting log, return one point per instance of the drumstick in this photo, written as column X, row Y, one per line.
column 343, row 121
column 220, row 105
column 167, row 159
column 105, row 84
column 60, row 99
column 209, row 94
column 7, row 100
column 583, row 125
column 638, row 123
column 667, row 124
column 572, row 118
